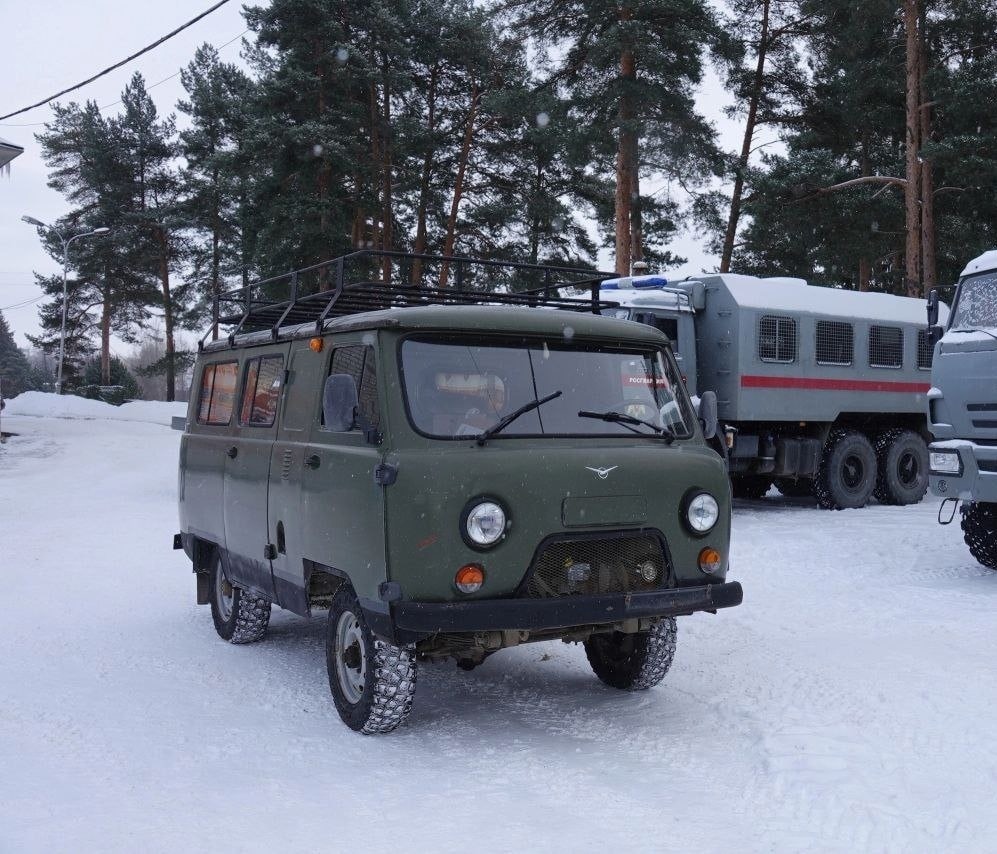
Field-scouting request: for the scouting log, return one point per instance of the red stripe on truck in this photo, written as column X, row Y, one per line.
column 814, row 384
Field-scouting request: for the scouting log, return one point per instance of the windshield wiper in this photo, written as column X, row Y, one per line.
column 622, row 418
column 506, row 420
column 969, row 329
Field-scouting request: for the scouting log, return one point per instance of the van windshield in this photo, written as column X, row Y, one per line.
column 456, row 387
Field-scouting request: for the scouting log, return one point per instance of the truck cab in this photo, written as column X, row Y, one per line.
column 962, row 405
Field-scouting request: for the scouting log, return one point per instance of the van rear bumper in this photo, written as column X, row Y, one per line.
column 413, row 621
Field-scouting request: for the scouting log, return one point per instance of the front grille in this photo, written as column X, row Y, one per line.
column 594, row 565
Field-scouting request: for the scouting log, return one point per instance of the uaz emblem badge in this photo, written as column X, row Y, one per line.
column 603, row 473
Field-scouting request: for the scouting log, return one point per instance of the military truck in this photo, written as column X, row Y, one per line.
column 449, row 471
column 962, row 405
column 820, row 390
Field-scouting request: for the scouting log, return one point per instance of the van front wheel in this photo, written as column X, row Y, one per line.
column 239, row 616
column 372, row 681
column 633, row 662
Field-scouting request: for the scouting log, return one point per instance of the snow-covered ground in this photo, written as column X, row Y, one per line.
column 847, row 705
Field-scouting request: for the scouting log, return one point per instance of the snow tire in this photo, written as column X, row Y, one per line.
column 633, row 662
column 902, row 467
column 750, row 485
column 979, row 530
column 372, row 681
column 801, row 488
column 848, row 471
column 239, row 616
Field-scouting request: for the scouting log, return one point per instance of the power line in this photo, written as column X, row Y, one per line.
column 124, row 61
column 115, row 103
column 24, row 304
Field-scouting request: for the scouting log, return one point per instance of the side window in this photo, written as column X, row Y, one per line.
column 886, row 347
column 925, row 352
column 835, row 343
column 358, row 362
column 261, row 391
column 776, row 339
column 217, row 395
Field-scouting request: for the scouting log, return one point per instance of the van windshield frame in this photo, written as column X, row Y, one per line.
column 456, row 386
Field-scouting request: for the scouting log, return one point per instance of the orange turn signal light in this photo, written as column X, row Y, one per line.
column 710, row 560
column 469, row 578
column 315, row 345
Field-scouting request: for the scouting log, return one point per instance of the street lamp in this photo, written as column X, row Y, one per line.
column 30, row 220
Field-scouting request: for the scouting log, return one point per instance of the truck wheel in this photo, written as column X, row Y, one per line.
column 372, row 682
column 979, row 530
column 633, row 662
column 750, row 485
column 902, row 458
column 239, row 616
column 801, row 488
column 847, row 472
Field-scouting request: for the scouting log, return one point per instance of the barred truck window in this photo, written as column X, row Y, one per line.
column 777, row 339
column 976, row 305
column 835, row 342
column 886, row 347
column 924, row 350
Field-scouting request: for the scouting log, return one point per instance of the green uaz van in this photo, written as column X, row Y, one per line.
column 449, row 473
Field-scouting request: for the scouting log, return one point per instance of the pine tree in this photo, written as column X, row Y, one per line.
column 631, row 70
column 217, row 178
column 16, row 375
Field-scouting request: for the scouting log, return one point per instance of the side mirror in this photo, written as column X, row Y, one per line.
column 708, row 413
column 339, row 403
column 933, row 307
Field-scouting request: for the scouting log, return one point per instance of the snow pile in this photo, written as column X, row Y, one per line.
column 46, row 405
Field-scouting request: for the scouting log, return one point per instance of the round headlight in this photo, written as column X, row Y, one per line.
column 703, row 512
column 485, row 523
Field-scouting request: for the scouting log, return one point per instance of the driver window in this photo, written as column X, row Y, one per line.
column 358, row 362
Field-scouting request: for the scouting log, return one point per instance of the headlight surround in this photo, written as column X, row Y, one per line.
column 944, row 462
column 702, row 512
column 483, row 523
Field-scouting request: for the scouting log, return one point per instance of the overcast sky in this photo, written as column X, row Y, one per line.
column 53, row 44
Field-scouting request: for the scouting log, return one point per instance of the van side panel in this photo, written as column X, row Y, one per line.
column 285, row 520
column 247, row 472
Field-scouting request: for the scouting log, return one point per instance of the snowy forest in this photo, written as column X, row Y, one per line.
column 533, row 130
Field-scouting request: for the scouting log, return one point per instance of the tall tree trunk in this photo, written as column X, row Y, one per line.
column 215, row 259
column 624, row 155
column 323, row 177
column 105, row 336
column 458, row 190
column 164, row 278
column 388, row 214
column 425, row 182
column 636, row 216
column 749, row 134
column 865, row 267
column 912, row 191
column 929, row 267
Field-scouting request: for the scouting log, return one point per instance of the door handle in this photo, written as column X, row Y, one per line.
column 314, row 461
column 232, row 452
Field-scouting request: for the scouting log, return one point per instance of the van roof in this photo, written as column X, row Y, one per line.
column 497, row 319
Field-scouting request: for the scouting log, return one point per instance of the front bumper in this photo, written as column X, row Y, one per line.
column 412, row 621
column 978, row 479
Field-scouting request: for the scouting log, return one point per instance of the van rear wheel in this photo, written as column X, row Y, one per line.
column 372, row 681
column 633, row 662
column 239, row 616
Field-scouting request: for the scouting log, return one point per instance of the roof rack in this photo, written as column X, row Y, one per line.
column 371, row 279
